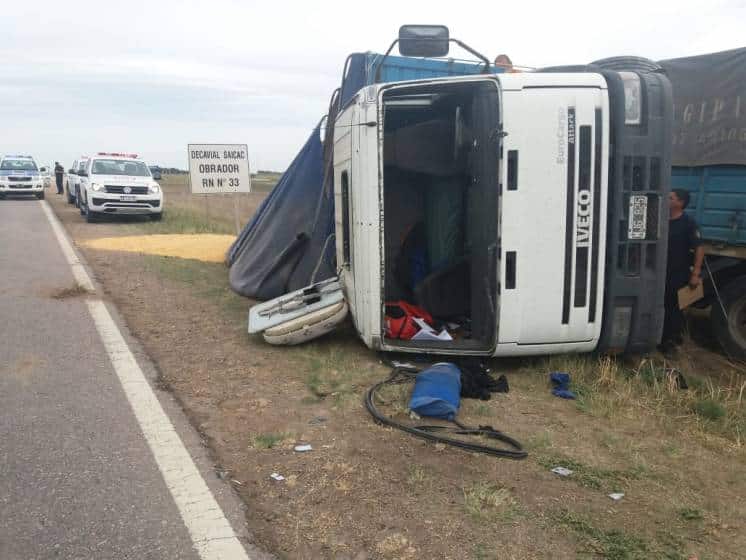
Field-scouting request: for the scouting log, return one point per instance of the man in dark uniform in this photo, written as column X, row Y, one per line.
column 685, row 257
column 59, row 171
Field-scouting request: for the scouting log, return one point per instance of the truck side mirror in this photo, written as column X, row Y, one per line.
column 423, row 40
column 157, row 175
column 82, row 173
column 71, row 172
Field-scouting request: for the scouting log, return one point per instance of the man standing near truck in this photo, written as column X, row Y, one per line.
column 59, row 171
column 685, row 257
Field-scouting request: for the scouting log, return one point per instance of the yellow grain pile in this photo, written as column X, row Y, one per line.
column 207, row 247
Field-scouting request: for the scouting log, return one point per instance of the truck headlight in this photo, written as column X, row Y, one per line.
column 97, row 187
column 155, row 188
column 632, row 97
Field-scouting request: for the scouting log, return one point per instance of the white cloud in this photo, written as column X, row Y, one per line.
column 151, row 76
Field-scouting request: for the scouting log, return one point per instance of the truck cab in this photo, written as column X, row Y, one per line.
column 117, row 183
column 503, row 214
column 524, row 211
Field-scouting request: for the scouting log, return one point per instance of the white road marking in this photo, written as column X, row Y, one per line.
column 79, row 273
column 212, row 534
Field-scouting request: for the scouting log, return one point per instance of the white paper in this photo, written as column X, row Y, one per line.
column 426, row 332
column 562, row 471
column 616, row 496
column 302, row 448
column 277, row 477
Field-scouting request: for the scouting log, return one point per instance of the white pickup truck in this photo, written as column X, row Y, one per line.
column 72, row 184
column 19, row 175
column 116, row 183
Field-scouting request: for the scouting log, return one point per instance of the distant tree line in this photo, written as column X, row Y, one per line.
column 176, row 171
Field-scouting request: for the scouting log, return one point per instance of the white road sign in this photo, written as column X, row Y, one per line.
column 219, row 168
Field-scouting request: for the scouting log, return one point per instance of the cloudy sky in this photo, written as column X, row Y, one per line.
column 151, row 77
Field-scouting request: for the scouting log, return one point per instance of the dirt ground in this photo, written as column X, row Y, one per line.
column 369, row 492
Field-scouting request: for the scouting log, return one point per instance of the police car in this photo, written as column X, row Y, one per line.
column 116, row 183
column 19, row 174
column 73, row 181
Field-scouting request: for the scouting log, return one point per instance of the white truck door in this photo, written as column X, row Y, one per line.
column 554, row 178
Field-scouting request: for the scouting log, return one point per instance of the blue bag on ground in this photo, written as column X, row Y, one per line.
column 436, row 392
column 561, row 383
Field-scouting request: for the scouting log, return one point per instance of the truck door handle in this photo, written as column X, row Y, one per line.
column 510, row 272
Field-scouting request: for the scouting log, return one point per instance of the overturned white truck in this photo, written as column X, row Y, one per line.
column 516, row 213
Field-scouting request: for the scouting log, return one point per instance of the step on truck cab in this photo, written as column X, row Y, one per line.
column 526, row 211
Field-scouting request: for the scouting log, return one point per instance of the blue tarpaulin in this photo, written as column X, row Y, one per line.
column 289, row 242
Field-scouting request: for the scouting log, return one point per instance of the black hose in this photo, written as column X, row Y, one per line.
column 403, row 375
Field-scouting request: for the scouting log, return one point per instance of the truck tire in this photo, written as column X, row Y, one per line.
column 77, row 198
column 730, row 330
column 70, row 198
column 90, row 217
column 156, row 217
column 40, row 196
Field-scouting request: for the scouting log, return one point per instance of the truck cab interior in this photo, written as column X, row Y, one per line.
column 441, row 156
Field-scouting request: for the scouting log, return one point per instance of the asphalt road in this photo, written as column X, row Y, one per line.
column 77, row 477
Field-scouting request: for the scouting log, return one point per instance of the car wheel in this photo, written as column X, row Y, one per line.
column 90, row 217
column 730, row 328
column 156, row 217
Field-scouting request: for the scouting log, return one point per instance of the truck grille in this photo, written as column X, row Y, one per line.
column 119, row 189
column 640, row 176
column 20, row 179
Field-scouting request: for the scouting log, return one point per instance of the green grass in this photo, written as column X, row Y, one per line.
column 539, row 441
column 608, row 388
column 484, row 501
column 416, row 475
column 334, row 371
column 268, row 441
column 207, row 281
column 611, row 544
column 709, row 409
column 588, row 476
column 483, row 409
column 691, row 514
column 481, row 552
column 183, row 220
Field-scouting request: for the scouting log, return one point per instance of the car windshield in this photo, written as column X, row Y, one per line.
column 18, row 165
column 120, row 167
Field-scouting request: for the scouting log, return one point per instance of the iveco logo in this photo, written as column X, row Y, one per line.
column 583, row 214
column 127, row 190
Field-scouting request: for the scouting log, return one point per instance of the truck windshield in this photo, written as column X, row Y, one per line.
column 18, row 165
column 120, row 167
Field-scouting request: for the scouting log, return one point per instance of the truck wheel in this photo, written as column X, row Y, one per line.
column 730, row 330
column 70, row 199
column 77, row 198
column 156, row 217
column 90, row 217
column 40, row 196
